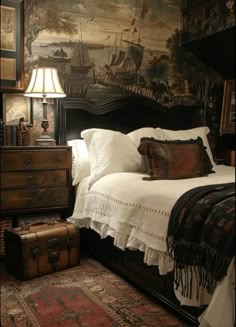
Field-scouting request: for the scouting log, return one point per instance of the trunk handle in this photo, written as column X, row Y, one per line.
column 49, row 223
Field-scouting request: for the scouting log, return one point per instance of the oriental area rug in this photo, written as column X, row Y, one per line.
column 88, row 295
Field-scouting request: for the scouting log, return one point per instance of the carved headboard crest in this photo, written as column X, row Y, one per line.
column 124, row 113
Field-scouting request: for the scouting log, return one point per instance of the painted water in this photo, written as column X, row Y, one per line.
column 85, row 84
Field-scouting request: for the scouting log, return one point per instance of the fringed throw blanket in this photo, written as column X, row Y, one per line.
column 201, row 236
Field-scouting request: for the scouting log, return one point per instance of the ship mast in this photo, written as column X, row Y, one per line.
column 143, row 12
column 81, row 47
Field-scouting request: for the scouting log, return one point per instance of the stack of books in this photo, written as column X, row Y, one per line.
column 11, row 135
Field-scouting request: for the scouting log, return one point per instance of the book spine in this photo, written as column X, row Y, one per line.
column 4, row 134
column 14, row 134
column 28, row 137
column 1, row 132
column 8, row 135
column 19, row 137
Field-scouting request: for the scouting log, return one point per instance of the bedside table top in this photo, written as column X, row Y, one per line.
column 30, row 147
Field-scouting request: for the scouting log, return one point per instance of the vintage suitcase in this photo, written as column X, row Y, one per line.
column 41, row 248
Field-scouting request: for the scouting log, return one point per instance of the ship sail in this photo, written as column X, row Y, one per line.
column 120, row 58
column 58, row 56
column 56, row 53
column 113, row 59
column 60, row 53
column 125, row 67
column 80, row 63
column 135, row 52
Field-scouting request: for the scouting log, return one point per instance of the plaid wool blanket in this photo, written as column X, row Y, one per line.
column 201, row 235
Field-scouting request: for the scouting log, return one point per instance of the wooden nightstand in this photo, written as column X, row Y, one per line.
column 35, row 180
column 230, row 158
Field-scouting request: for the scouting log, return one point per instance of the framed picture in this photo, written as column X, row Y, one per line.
column 16, row 106
column 11, row 46
column 227, row 125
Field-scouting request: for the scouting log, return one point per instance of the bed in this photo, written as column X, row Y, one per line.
column 139, row 254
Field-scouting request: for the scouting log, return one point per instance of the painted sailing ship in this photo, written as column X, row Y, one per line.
column 80, row 63
column 59, row 56
column 128, row 63
column 124, row 67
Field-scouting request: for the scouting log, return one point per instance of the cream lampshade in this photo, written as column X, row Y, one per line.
column 45, row 84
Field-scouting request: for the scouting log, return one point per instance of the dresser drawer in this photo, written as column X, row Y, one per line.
column 34, row 198
column 44, row 178
column 37, row 159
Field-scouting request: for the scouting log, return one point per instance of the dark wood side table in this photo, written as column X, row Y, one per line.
column 34, row 180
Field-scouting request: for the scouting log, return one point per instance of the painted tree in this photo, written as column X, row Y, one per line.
column 44, row 15
column 187, row 65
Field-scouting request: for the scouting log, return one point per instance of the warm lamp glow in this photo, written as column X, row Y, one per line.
column 45, row 84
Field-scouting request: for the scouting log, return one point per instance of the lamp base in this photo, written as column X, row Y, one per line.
column 45, row 140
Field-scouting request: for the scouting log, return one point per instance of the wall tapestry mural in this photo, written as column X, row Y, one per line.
column 206, row 17
column 102, row 48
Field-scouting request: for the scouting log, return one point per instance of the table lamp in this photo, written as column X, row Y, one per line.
column 45, row 84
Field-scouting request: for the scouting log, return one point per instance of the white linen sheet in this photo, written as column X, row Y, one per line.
column 136, row 213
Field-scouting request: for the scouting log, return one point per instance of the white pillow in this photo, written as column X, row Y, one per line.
column 187, row 134
column 80, row 160
column 110, row 152
column 144, row 132
column 136, row 136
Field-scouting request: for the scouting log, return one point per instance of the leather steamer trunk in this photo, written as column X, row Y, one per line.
column 41, row 248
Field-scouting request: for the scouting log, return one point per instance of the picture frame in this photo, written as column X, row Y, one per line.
column 12, row 46
column 16, row 106
column 227, row 125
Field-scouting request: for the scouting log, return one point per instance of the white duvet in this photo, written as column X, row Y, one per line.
column 136, row 212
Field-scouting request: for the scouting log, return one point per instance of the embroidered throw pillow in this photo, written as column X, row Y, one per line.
column 193, row 133
column 175, row 159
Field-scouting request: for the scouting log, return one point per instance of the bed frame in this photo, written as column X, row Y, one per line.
column 127, row 113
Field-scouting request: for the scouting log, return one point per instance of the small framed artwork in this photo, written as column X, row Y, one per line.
column 11, row 46
column 227, row 125
column 16, row 106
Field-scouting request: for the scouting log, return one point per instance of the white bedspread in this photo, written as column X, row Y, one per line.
column 136, row 212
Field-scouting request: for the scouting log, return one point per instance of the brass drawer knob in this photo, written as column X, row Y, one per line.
column 28, row 161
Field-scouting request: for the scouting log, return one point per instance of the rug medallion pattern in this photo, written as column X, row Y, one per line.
column 88, row 295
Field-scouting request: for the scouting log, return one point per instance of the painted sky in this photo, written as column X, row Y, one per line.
column 102, row 21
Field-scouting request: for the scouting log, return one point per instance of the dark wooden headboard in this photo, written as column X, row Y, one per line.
column 123, row 113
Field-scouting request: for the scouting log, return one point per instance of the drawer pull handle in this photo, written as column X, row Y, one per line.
column 30, row 178
column 59, row 158
column 28, row 162
column 30, row 200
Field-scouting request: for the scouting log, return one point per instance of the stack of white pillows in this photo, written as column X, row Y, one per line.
column 102, row 151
